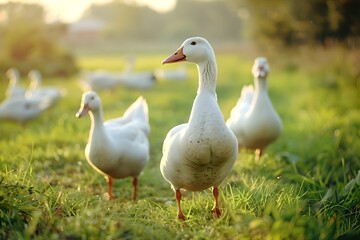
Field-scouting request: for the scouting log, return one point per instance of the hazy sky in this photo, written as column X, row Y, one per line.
column 71, row 10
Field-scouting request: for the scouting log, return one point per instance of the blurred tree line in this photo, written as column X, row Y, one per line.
column 124, row 21
column 278, row 22
column 293, row 22
column 27, row 42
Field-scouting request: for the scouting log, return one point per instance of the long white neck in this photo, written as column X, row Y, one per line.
column 97, row 126
column 206, row 94
column 13, row 82
column 260, row 98
column 207, row 76
column 260, row 86
column 35, row 83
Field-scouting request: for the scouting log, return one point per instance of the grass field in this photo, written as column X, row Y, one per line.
column 306, row 186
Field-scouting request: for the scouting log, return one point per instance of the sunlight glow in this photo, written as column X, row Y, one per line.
column 71, row 11
column 158, row 5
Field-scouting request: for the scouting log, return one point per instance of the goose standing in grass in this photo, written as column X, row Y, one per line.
column 117, row 148
column 97, row 81
column 16, row 106
column 199, row 154
column 36, row 91
column 104, row 80
column 22, row 110
column 137, row 80
column 254, row 119
column 14, row 90
column 131, row 79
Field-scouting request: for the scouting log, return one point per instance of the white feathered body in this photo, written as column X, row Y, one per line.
column 97, row 81
column 38, row 92
column 22, row 110
column 254, row 120
column 138, row 80
column 202, row 152
column 120, row 147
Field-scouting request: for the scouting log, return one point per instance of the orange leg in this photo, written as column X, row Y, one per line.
column 134, row 183
column 178, row 199
column 110, row 192
column 216, row 208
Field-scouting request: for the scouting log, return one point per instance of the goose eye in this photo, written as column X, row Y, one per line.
column 193, row 43
column 92, row 98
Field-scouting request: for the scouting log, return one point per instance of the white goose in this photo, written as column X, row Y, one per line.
column 36, row 91
column 103, row 80
column 131, row 79
column 97, row 81
column 199, row 154
column 21, row 109
column 13, row 89
column 254, row 119
column 138, row 80
column 117, row 148
column 16, row 106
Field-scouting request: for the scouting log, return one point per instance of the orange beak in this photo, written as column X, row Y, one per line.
column 178, row 56
column 82, row 111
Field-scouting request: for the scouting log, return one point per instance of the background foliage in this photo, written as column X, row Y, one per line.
column 28, row 42
column 290, row 23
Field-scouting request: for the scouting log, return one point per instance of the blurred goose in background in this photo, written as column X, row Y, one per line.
column 117, row 148
column 100, row 80
column 13, row 89
column 138, row 80
column 16, row 106
column 254, row 119
column 97, row 81
column 177, row 74
column 104, row 80
column 131, row 79
column 22, row 110
column 36, row 91
column 199, row 154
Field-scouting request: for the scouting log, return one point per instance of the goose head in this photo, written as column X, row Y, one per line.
column 13, row 74
column 195, row 50
column 90, row 102
column 260, row 68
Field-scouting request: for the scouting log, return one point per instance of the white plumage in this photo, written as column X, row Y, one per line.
column 22, row 110
column 17, row 106
column 97, row 81
column 137, row 80
column 37, row 91
column 253, row 119
column 14, row 90
column 105, row 80
column 119, row 147
column 199, row 154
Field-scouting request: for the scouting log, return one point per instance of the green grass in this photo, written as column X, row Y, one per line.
column 306, row 186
